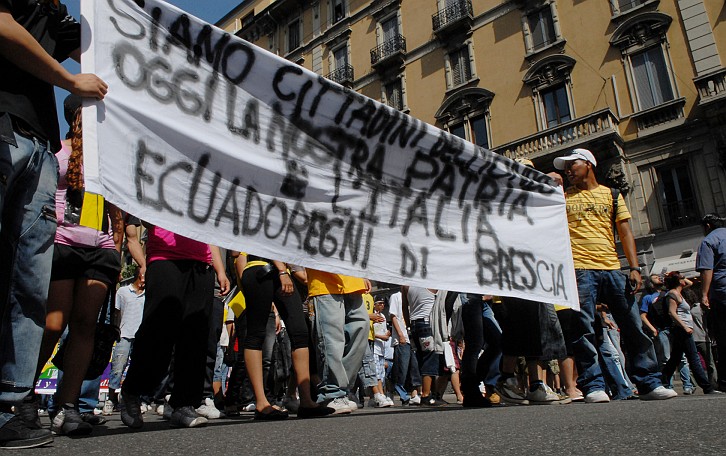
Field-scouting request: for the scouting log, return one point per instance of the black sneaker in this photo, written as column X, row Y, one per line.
column 69, row 422
column 92, row 419
column 187, row 417
column 130, row 406
column 476, row 400
column 27, row 410
column 16, row 434
column 431, row 401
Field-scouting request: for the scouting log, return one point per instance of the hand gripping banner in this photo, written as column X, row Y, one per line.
column 218, row 140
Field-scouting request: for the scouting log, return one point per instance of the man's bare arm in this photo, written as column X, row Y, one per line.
column 20, row 48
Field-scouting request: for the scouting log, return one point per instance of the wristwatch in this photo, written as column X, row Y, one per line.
column 638, row 268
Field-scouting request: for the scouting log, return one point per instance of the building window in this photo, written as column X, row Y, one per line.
column 340, row 57
column 393, row 92
column 465, row 113
column 247, row 20
column 627, row 5
column 549, row 79
column 556, row 105
column 650, row 75
column 337, row 10
column 541, row 28
column 473, row 129
column 390, row 29
column 642, row 42
column 679, row 205
column 293, row 34
column 460, row 65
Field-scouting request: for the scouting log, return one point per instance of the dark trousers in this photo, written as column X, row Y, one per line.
column 479, row 328
column 260, row 291
column 179, row 296
column 682, row 342
column 717, row 317
column 704, row 349
column 215, row 331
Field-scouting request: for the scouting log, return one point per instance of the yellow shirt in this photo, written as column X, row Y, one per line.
column 591, row 227
column 325, row 283
column 369, row 302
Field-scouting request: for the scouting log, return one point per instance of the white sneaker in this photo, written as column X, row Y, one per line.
column 145, row 407
column 415, row 400
column 380, row 401
column 659, row 394
column 160, row 410
column 208, row 410
column 390, row 401
column 352, row 405
column 250, row 407
column 540, row 396
column 597, row 397
column 107, row 408
column 340, row 405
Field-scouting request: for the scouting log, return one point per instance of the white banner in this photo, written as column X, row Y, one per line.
column 213, row 138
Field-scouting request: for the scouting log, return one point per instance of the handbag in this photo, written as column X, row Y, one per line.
column 106, row 335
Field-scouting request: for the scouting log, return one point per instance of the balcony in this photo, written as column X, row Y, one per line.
column 454, row 18
column 711, row 88
column 392, row 51
column 665, row 115
column 343, row 75
column 596, row 126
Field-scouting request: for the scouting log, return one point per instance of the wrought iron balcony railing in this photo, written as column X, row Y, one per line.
column 390, row 48
column 342, row 75
column 452, row 13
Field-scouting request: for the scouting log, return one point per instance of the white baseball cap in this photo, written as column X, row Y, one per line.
column 575, row 154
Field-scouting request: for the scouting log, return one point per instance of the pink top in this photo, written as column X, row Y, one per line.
column 70, row 233
column 165, row 245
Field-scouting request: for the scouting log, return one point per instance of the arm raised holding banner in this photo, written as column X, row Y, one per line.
column 19, row 46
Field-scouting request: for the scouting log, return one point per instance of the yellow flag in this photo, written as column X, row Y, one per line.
column 92, row 211
column 238, row 304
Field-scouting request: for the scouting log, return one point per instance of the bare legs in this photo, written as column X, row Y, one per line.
column 300, row 361
column 75, row 303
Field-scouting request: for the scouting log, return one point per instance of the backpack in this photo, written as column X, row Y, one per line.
column 657, row 312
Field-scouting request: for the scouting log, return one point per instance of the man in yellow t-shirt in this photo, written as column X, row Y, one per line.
column 590, row 208
column 341, row 327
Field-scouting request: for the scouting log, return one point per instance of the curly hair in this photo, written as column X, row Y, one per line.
column 74, row 175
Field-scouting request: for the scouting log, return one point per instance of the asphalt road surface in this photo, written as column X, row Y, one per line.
column 691, row 425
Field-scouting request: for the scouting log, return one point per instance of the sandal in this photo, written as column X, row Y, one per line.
column 274, row 415
column 314, row 412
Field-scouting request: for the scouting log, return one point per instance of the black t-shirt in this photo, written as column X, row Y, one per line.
column 26, row 99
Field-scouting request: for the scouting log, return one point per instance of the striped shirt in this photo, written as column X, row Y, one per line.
column 591, row 229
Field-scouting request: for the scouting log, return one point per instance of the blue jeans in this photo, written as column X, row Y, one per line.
column 118, row 362
column 609, row 287
column 613, row 365
column 341, row 328
column 663, row 349
column 367, row 374
column 405, row 370
column 682, row 344
column 28, row 181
